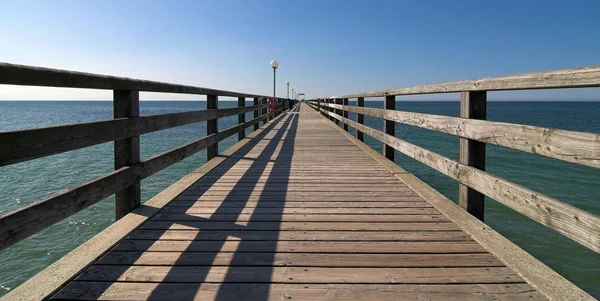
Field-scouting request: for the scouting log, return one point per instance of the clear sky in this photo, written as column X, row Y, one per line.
column 324, row 47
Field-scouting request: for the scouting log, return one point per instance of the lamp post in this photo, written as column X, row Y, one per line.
column 288, row 88
column 292, row 93
column 274, row 65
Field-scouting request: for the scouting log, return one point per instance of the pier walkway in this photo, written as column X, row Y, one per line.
column 301, row 213
column 298, row 208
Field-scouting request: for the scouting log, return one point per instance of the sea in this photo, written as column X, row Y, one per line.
column 32, row 180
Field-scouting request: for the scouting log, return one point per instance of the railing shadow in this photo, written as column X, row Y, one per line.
column 225, row 216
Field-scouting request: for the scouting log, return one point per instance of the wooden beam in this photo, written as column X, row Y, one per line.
column 570, row 146
column 127, row 151
column 241, row 117
column 558, row 79
column 345, row 103
column 360, row 118
column 572, row 222
column 212, row 126
column 256, row 113
column 472, row 152
column 11, row 74
column 389, row 126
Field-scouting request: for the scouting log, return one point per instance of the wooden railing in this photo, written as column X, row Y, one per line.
column 124, row 130
column 474, row 132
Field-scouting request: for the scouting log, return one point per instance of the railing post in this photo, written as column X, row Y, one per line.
column 389, row 127
column 212, row 126
column 473, row 105
column 241, row 117
column 126, row 103
column 360, row 118
column 345, row 102
column 338, row 101
column 256, row 113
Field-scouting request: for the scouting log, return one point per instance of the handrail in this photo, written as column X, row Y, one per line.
column 570, row 146
column 576, row 147
column 11, row 74
column 558, row 79
column 124, row 130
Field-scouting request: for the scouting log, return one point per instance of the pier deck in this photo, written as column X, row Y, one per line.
column 300, row 212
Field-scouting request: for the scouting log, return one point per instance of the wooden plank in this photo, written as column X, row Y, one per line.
column 84, row 290
column 234, row 217
column 126, row 103
column 574, row 223
column 12, row 74
column 185, row 274
column 558, row 79
column 183, row 206
column 212, row 126
column 299, row 226
column 570, row 146
column 362, row 241
column 192, row 211
column 472, row 153
column 298, row 259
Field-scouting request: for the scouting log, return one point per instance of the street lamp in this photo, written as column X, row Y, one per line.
column 288, row 89
column 274, row 65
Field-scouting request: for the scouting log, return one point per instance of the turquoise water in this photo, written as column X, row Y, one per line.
column 28, row 181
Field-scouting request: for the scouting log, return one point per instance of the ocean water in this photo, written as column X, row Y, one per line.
column 29, row 181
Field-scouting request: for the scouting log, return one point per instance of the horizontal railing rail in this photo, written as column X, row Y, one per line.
column 23, row 145
column 124, row 130
column 475, row 132
column 567, row 78
column 11, row 74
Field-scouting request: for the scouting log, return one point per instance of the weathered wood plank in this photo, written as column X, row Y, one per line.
column 298, row 226
column 192, row 211
column 83, row 290
column 12, row 74
column 574, row 223
column 570, row 146
column 184, row 206
column 297, row 258
column 558, row 79
column 385, row 241
column 186, row 274
column 238, row 218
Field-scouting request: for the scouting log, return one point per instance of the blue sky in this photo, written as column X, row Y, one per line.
column 324, row 47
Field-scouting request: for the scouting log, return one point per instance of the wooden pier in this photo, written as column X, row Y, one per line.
column 298, row 210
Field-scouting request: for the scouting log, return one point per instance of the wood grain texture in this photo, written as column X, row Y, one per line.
column 574, row 223
column 558, row 79
column 127, row 151
column 307, row 292
column 473, row 105
column 570, row 146
column 12, row 74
